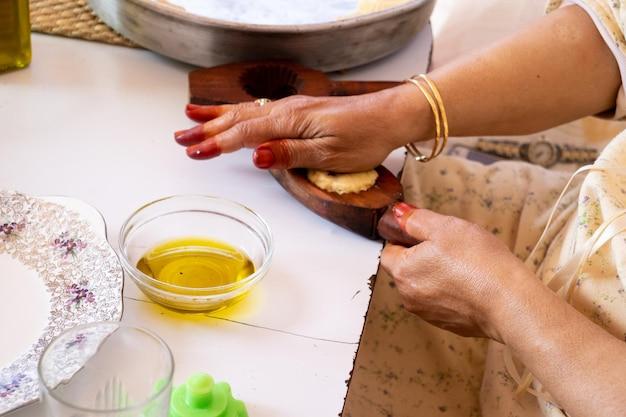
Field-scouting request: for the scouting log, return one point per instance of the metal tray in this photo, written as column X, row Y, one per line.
column 207, row 42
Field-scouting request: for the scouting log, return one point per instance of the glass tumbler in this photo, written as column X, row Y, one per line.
column 106, row 369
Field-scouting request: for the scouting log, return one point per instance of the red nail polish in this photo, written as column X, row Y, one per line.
column 192, row 106
column 391, row 229
column 189, row 136
column 263, row 158
column 208, row 149
column 401, row 209
column 196, row 115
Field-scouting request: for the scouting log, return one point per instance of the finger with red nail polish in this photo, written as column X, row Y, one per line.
column 402, row 211
column 205, row 113
column 218, row 120
column 205, row 150
column 238, row 112
column 391, row 226
column 263, row 157
column 190, row 136
column 286, row 153
column 206, row 130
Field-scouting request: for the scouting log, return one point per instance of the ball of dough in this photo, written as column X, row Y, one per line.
column 343, row 183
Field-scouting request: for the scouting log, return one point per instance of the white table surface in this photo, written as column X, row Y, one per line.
column 96, row 122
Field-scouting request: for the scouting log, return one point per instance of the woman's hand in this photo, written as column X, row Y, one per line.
column 463, row 279
column 457, row 276
column 340, row 134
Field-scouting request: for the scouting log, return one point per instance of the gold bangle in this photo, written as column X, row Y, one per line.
column 442, row 110
column 411, row 147
column 439, row 113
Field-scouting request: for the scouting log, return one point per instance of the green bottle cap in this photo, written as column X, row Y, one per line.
column 200, row 396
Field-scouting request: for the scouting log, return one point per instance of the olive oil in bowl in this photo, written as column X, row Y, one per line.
column 195, row 262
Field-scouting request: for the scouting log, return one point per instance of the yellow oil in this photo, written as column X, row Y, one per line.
column 15, row 49
column 195, row 262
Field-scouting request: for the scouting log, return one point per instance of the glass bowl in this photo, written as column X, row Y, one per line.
column 185, row 216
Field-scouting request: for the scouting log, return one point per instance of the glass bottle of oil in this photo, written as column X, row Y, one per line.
column 14, row 34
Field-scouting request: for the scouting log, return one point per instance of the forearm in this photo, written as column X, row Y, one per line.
column 557, row 70
column 579, row 363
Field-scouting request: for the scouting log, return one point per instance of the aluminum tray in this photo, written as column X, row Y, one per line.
column 208, row 42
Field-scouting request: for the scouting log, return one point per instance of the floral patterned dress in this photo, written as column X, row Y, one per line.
column 410, row 368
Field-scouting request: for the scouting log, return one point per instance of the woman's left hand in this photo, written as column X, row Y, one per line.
column 457, row 277
column 341, row 134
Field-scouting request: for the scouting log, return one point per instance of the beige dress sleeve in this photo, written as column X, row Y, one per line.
column 609, row 17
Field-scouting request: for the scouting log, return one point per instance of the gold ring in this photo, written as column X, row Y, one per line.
column 262, row 101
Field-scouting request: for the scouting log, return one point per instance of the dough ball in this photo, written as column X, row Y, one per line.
column 343, row 183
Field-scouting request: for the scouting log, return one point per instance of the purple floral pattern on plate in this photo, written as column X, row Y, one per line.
column 11, row 228
column 68, row 246
column 11, row 386
column 79, row 294
column 77, row 341
column 78, row 268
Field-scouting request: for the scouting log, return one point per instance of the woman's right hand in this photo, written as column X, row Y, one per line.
column 459, row 277
column 341, row 134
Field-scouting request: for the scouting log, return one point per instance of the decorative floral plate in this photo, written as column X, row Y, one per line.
column 57, row 271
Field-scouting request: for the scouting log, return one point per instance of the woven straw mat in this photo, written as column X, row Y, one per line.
column 73, row 19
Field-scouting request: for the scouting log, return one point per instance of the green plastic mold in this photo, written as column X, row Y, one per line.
column 200, row 396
